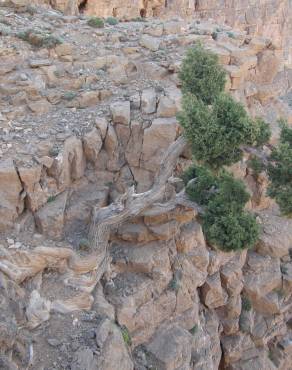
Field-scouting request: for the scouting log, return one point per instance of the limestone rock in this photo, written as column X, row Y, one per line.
column 170, row 349
column 70, row 164
column 92, row 143
column 30, row 177
column 157, row 138
column 149, row 42
column 84, row 359
column 11, row 202
column 166, row 107
column 121, row 112
column 38, row 310
column 50, row 218
column 113, row 351
column 262, row 275
column 276, row 236
column 213, row 293
column 148, row 101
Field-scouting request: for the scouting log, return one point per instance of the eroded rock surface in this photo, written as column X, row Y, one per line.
column 82, row 122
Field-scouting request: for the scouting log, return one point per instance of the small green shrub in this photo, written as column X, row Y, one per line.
column 51, row 198
column 225, row 223
column 174, row 284
column 214, row 35
column 126, row 335
column 54, row 151
column 31, row 9
column 201, row 74
column 69, row 95
column 139, row 19
column 194, row 329
column 231, row 35
column 39, row 39
column 232, row 231
column 84, row 244
column 280, row 172
column 112, row 21
column 95, row 22
column 246, row 304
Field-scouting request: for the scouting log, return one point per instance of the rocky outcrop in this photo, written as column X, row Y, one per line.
column 82, row 123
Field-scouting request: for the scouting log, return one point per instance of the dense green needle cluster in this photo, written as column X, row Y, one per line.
column 217, row 128
column 280, row 171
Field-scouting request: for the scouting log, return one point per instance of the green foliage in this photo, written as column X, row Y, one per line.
column 194, row 329
column 231, row 35
column 214, row 35
column 232, row 231
column 263, row 132
column 225, row 223
column 31, row 9
column 51, row 198
column 69, row 95
column 54, row 151
column 201, row 75
column 256, row 165
column 126, row 335
column 139, row 19
column 84, row 244
column 39, row 39
column 216, row 133
column 280, row 172
column 112, row 21
column 246, row 304
column 203, row 185
column 95, row 22
column 174, row 284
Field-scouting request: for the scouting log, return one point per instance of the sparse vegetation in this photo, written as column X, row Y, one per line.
column 69, row 95
column 246, row 304
column 174, row 284
column 231, row 35
column 139, row 19
column 84, row 244
column 39, row 39
column 126, row 336
column 54, row 151
column 280, row 171
column 95, row 22
column 194, row 329
column 51, row 198
column 112, row 21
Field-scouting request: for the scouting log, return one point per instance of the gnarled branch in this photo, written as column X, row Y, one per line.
column 130, row 205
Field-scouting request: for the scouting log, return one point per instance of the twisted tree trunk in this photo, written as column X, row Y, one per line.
column 129, row 205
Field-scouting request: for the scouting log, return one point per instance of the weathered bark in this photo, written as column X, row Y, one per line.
column 129, row 205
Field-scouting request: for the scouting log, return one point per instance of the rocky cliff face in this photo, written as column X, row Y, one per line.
column 82, row 120
column 271, row 19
